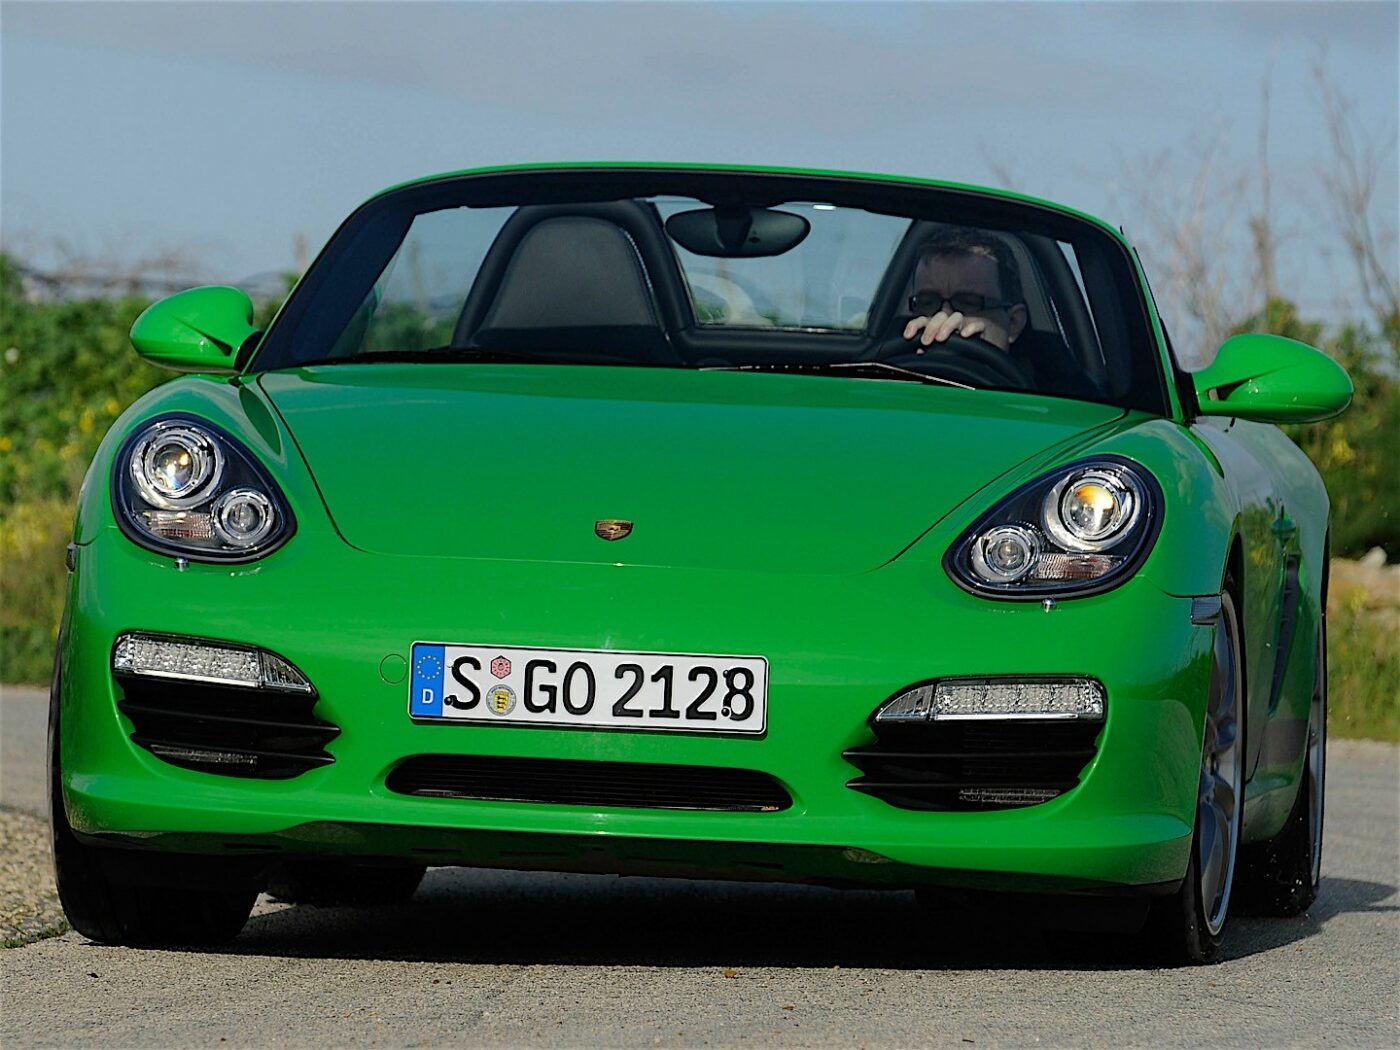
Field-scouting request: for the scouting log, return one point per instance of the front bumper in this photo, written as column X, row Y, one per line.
column 837, row 647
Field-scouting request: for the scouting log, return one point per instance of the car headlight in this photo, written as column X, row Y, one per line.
column 183, row 487
column 1076, row 531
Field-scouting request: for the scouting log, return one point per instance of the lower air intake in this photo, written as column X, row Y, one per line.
column 974, row 764
column 571, row 782
column 231, row 730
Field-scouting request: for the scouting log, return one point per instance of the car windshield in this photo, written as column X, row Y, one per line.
column 847, row 279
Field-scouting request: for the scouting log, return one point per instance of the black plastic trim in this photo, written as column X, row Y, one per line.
column 1205, row 611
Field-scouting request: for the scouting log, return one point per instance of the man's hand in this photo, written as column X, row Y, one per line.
column 940, row 326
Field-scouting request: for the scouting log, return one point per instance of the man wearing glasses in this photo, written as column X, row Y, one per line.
column 966, row 284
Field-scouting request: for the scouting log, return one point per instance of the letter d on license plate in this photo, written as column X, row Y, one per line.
column 585, row 687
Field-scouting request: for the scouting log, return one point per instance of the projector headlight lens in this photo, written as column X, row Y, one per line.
column 244, row 517
column 1005, row 554
column 175, row 465
column 1087, row 510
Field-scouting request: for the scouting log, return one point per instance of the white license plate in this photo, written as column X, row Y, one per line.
column 586, row 687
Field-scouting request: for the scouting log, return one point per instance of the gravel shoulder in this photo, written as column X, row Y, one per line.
column 29, row 907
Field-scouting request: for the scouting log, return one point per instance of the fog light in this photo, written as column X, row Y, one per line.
column 997, row 698
column 196, row 660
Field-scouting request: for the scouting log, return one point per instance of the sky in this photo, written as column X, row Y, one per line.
column 225, row 130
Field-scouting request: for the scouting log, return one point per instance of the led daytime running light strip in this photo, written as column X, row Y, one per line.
column 997, row 699
column 195, row 660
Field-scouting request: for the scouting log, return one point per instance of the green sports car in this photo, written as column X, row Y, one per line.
column 699, row 521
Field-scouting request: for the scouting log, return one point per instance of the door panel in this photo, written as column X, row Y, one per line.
column 1247, row 463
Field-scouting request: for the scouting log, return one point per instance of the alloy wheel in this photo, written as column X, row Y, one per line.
column 1317, row 759
column 1219, row 799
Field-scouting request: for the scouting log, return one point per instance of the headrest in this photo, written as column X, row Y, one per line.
column 573, row 271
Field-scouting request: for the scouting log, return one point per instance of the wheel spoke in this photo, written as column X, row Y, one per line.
column 1213, row 868
column 1212, row 736
column 1223, row 795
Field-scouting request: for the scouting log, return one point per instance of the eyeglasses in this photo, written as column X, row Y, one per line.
column 930, row 303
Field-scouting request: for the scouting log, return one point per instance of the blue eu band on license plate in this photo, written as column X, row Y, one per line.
column 598, row 689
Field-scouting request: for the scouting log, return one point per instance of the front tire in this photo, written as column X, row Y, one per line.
column 132, row 908
column 1189, row 926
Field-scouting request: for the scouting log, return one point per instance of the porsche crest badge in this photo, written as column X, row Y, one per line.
column 612, row 528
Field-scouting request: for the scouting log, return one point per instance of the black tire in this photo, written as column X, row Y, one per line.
column 1186, row 929
column 127, row 909
column 1282, row 875
column 334, row 884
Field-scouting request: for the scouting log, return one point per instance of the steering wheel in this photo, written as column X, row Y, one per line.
column 973, row 361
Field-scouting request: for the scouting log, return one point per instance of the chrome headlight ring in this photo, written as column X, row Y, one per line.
column 176, row 465
column 1090, row 509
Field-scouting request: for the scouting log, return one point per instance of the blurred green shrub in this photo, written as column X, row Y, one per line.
column 67, row 370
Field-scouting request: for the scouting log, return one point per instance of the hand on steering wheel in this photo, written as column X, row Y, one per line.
column 973, row 361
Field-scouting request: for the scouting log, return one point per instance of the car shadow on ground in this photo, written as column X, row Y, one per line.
column 476, row 916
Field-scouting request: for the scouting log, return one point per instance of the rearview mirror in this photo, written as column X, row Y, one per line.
column 200, row 330
column 735, row 232
column 1272, row 380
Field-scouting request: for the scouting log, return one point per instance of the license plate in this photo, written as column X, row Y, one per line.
column 600, row 689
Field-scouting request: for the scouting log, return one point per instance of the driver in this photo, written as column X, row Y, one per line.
column 966, row 284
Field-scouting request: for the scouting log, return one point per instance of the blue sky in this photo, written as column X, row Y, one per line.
column 224, row 129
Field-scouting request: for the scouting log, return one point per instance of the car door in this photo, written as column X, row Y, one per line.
column 1253, row 465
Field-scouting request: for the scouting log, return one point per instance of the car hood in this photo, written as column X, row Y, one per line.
column 721, row 470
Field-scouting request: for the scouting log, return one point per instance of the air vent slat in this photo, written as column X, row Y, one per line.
column 263, row 734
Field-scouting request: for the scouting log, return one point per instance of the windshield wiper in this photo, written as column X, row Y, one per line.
column 438, row 355
column 907, row 375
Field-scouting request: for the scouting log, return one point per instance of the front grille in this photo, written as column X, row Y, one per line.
column 234, row 731
column 579, row 783
column 974, row 764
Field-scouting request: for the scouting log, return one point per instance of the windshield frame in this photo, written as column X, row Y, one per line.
column 355, row 249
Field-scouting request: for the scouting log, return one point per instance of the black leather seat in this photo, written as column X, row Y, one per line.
column 568, row 280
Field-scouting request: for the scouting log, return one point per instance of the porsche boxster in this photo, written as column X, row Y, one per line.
column 705, row 522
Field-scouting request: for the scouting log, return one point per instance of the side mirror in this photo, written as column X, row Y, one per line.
column 1272, row 380
column 200, row 330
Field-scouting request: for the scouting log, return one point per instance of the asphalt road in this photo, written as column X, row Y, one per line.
column 488, row 958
